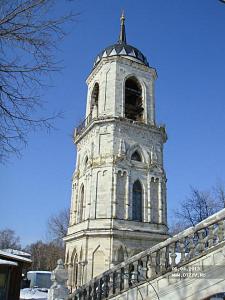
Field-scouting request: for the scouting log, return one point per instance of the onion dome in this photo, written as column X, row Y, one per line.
column 121, row 48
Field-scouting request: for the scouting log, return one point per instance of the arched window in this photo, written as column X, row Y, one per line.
column 136, row 156
column 81, row 202
column 94, row 96
column 133, row 99
column 137, row 201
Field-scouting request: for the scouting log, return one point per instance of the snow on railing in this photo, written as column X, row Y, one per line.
column 156, row 261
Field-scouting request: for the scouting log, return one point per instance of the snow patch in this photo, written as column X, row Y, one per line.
column 33, row 294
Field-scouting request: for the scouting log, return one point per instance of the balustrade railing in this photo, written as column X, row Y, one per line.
column 156, row 261
column 94, row 114
column 83, row 124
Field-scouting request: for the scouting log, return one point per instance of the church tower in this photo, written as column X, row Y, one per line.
column 118, row 205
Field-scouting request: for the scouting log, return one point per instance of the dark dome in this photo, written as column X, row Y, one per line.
column 121, row 49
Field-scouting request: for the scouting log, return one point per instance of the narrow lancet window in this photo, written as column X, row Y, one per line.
column 95, row 96
column 137, row 201
column 133, row 100
column 75, row 271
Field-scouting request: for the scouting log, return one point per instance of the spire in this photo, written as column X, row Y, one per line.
column 122, row 37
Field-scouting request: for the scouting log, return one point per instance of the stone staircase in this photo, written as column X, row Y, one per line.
column 189, row 265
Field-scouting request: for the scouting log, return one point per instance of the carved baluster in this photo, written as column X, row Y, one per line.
column 84, row 296
column 121, row 279
column 210, row 239
column 79, row 295
column 173, row 254
column 110, row 284
column 134, row 271
column 151, row 265
column 100, row 288
column 182, row 250
column 186, row 248
column 201, row 242
column 115, row 282
column 157, row 262
column 106, row 285
column 191, row 248
column 126, row 279
column 162, row 260
column 140, row 270
column 167, row 257
column 95, row 288
column 144, row 273
column 221, row 231
column 90, row 290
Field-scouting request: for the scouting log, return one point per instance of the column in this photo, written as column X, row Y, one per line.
column 149, row 199
column 127, row 201
column 152, row 101
column 160, row 201
column 114, row 194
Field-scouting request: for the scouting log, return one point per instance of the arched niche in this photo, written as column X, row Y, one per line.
column 133, row 99
column 98, row 262
column 136, row 156
column 137, row 200
column 140, row 150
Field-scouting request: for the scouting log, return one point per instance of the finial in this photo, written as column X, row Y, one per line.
column 122, row 37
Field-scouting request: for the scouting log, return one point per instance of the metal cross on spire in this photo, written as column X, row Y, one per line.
column 122, row 37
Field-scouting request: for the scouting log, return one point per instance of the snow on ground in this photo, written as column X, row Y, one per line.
column 33, row 294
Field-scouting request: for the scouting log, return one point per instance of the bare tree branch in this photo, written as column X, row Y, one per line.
column 197, row 207
column 9, row 240
column 29, row 32
column 219, row 191
column 58, row 225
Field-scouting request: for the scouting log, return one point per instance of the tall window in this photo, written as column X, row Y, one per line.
column 137, row 201
column 94, row 96
column 75, row 271
column 133, row 100
column 81, row 202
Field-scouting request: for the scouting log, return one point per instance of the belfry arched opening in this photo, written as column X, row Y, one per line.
column 133, row 100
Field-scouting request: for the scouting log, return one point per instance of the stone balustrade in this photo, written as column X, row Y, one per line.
column 175, row 252
column 93, row 116
column 82, row 125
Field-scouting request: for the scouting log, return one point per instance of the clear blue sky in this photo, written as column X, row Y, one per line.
column 185, row 42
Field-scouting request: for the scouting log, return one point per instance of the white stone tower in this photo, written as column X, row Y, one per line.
column 118, row 205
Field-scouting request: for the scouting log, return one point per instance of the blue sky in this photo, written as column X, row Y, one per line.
column 185, row 42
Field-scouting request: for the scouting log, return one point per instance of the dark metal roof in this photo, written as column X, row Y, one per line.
column 121, row 48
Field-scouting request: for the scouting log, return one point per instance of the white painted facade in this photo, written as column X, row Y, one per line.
column 102, row 230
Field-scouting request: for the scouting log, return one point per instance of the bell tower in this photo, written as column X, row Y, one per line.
column 118, row 204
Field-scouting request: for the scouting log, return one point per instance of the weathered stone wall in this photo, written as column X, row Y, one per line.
column 101, row 231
